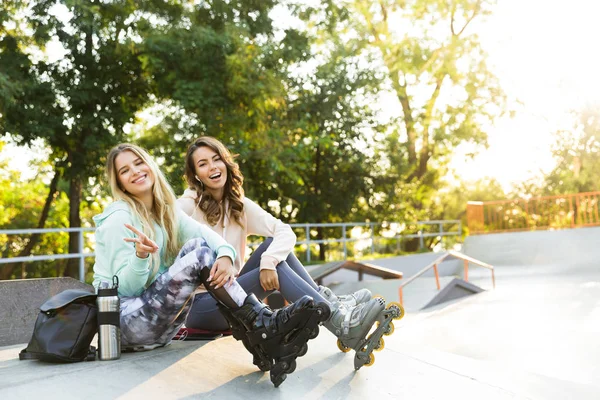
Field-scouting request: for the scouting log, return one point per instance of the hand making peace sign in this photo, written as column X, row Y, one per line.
column 143, row 245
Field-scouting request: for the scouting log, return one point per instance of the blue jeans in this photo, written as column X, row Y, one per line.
column 294, row 282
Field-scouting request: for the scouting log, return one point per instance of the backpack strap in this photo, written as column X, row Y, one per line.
column 91, row 354
column 24, row 355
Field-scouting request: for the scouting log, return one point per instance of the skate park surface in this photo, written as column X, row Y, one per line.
column 534, row 337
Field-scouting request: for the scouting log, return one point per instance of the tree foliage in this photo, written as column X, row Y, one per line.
column 215, row 71
column 576, row 152
column 299, row 105
column 328, row 129
column 78, row 103
column 296, row 134
column 435, row 68
column 20, row 200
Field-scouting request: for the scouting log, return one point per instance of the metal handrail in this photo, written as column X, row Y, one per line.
column 344, row 239
column 80, row 254
column 308, row 241
column 43, row 230
column 434, row 265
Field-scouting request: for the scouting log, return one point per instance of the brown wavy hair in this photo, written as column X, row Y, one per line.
column 234, row 192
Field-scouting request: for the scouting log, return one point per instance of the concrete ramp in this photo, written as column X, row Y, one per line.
column 419, row 295
column 541, row 337
column 528, row 339
column 456, row 289
column 568, row 247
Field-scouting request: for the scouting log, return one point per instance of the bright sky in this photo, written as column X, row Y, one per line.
column 543, row 52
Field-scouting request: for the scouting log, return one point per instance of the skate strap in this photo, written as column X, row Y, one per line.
column 346, row 322
column 349, row 300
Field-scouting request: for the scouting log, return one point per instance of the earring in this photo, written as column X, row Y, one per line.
column 201, row 183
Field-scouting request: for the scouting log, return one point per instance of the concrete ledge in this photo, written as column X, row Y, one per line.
column 20, row 300
column 572, row 248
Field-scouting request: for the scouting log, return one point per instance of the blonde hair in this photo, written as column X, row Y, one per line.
column 163, row 203
column 233, row 191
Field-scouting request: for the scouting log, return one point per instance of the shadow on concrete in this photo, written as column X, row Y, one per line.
column 25, row 379
column 297, row 385
column 341, row 389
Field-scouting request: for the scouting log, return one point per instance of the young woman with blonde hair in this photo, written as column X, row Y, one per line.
column 216, row 197
column 161, row 256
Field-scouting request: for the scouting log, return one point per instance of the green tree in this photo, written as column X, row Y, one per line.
column 221, row 72
column 211, row 75
column 328, row 126
column 436, row 70
column 24, row 100
column 296, row 132
column 84, row 99
column 23, row 205
column 576, row 153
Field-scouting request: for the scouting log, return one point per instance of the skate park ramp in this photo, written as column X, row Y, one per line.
column 555, row 250
column 533, row 337
column 420, row 293
column 407, row 265
column 456, row 289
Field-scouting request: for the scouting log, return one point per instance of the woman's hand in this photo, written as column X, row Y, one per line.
column 143, row 245
column 269, row 279
column 223, row 272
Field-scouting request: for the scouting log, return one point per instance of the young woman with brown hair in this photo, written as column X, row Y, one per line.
column 216, row 197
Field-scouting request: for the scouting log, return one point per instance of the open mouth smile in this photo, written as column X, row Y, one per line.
column 140, row 179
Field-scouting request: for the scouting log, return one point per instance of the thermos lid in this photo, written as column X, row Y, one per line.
column 104, row 290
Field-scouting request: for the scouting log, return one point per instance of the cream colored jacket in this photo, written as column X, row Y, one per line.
column 256, row 222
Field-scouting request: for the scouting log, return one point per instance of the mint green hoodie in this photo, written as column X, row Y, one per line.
column 114, row 256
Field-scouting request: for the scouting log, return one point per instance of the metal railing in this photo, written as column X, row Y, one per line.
column 80, row 254
column 344, row 239
column 547, row 212
column 308, row 241
column 435, row 264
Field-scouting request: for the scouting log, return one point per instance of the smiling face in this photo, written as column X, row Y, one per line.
column 210, row 169
column 133, row 174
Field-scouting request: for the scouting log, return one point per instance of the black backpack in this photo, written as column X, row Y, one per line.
column 64, row 329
